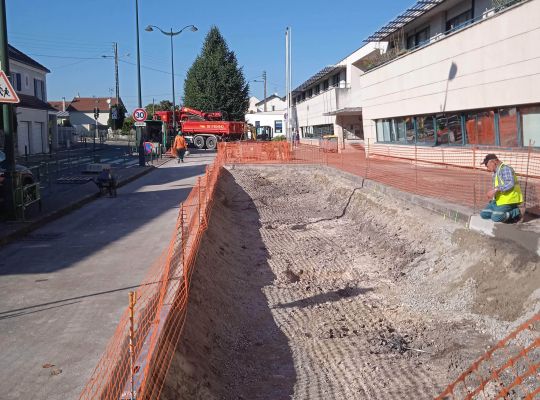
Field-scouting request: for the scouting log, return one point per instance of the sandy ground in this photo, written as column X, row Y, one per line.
column 307, row 287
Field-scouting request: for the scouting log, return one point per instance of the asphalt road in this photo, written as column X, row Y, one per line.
column 64, row 287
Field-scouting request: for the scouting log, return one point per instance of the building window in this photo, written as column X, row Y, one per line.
column 480, row 128
column 508, row 127
column 273, row 108
column 335, row 80
column 326, row 84
column 418, row 38
column 316, row 90
column 39, row 89
column 321, row 130
column 449, row 129
column 303, row 96
column 459, row 21
column 425, row 130
column 278, row 126
column 257, row 123
column 530, row 125
column 309, row 93
column 16, row 81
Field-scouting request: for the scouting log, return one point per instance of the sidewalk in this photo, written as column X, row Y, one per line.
column 65, row 285
column 58, row 199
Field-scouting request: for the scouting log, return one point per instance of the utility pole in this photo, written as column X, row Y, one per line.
column 264, row 79
column 116, row 74
column 153, row 107
column 7, row 114
column 142, row 158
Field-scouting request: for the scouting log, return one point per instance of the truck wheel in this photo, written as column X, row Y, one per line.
column 198, row 141
column 211, row 142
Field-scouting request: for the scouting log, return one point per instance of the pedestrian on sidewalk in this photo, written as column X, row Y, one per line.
column 297, row 139
column 505, row 196
column 180, row 146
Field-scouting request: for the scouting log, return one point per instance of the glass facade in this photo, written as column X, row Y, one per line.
column 530, row 125
column 506, row 127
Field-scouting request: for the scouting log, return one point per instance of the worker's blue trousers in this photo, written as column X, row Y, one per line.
column 497, row 213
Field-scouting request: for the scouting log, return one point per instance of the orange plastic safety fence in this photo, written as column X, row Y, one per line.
column 138, row 371
column 453, row 174
column 509, row 370
column 159, row 309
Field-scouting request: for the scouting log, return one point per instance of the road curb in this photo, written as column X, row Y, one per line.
column 25, row 229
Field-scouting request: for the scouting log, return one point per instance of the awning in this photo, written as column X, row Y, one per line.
column 417, row 10
column 345, row 111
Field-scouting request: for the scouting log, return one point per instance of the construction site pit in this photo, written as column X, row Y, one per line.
column 308, row 286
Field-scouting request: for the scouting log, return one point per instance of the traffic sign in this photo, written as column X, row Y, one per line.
column 7, row 93
column 139, row 114
column 140, row 123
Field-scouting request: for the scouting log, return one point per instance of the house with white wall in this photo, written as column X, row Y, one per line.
column 274, row 116
column 36, row 120
column 81, row 112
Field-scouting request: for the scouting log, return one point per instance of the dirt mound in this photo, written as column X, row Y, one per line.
column 308, row 287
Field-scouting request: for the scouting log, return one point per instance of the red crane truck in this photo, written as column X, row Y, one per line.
column 203, row 129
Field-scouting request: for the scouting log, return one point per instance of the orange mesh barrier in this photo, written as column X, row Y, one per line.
column 454, row 174
column 137, row 357
column 509, row 370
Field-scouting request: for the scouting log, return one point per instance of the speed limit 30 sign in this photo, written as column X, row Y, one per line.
column 140, row 114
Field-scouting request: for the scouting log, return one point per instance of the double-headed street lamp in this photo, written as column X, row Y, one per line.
column 192, row 28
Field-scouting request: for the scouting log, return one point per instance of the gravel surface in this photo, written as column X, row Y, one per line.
column 308, row 287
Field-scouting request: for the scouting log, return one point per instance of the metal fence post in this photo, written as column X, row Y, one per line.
column 132, row 301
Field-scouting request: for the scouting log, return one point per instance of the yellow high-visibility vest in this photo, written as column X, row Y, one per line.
column 512, row 196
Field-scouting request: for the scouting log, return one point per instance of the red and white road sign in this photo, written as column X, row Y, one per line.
column 7, row 93
column 140, row 114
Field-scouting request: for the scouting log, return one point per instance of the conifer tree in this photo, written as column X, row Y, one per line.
column 215, row 82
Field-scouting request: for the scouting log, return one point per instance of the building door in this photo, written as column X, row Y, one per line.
column 36, row 139
column 23, row 138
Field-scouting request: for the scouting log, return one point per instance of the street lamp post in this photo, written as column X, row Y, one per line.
column 192, row 28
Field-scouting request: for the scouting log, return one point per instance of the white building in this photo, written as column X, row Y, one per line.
column 456, row 73
column 81, row 112
column 36, row 120
column 443, row 73
column 274, row 117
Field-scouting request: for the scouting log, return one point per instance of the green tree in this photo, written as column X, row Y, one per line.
column 215, row 82
column 120, row 116
column 127, row 125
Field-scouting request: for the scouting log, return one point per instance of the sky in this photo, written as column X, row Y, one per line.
column 70, row 38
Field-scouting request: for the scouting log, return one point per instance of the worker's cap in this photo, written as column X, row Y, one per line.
column 488, row 158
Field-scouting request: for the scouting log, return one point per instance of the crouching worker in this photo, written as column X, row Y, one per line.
column 106, row 182
column 180, row 146
column 506, row 196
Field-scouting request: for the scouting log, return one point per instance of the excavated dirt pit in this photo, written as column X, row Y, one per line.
column 308, row 287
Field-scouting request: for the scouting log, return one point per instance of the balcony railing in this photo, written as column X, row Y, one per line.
column 393, row 53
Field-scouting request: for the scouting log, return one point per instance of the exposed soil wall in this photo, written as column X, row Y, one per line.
column 308, row 287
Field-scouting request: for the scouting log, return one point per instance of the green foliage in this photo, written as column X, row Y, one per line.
column 127, row 125
column 279, row 138
column 215, row 82
column 119, row 122
column 163, row 105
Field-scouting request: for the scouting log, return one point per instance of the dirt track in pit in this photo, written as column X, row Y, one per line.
column 307, row 287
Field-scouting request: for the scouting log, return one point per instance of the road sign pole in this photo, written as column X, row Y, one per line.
column 7, row 114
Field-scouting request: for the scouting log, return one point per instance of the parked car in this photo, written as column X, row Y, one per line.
column 26, row 174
